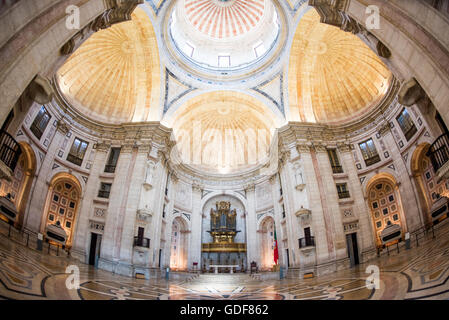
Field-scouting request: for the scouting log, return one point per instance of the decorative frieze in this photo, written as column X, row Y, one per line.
column 96, row 226
column 100, row 213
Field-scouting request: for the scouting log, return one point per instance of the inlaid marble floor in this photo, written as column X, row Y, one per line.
column 419, row 273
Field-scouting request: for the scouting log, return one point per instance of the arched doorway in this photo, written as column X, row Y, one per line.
column 179, row 245
column 385, row 204
column 266, row 241
column 19, row 186
column 431, row 191
column 62, row 203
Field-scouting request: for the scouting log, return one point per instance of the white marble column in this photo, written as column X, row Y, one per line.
column 81, row 244
column 322, row 250
column 195, row 235
column 360, row 209
column 330, row 199
column 251, row 226
column 110, row 248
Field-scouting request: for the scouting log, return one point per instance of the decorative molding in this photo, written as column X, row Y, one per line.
column 182, row 89
column 265, row 87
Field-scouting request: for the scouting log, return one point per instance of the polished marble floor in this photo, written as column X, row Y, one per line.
column 419, row 273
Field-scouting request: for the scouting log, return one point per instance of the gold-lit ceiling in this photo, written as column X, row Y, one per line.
column 223, row 131
column 333, row 75
column 114, row 76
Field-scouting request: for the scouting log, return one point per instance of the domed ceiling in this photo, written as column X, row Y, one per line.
column 217, row 35
column 333, row 76
column 223, row 132
column 114, row 76
column 224, row 18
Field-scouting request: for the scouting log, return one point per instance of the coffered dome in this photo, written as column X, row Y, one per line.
column 333, row 75
column 114, row 76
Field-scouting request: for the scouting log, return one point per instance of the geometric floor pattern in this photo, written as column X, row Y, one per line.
column 419, row 273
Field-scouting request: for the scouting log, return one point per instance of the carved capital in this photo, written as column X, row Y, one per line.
column 303, row 148
column 343, row 147
column 127, row 147
column 118, row 11
column 333, row 12
column 62, row 127
column 319, row 147
column 384, row 128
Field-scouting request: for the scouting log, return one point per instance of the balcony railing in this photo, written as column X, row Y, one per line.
column 439, row 152
column 75, row 160
column 306, row 242
column 372, row 160
column 141, row 242
column 109, row 168
column 343, row 194
column 9, row 150
column 104, row 194
column 337, row 169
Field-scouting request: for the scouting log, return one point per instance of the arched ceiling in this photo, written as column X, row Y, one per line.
column 223, row 132
column 114, row 76
column 333, row 76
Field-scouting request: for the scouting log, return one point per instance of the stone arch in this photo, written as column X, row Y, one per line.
column 429, row 188
column 213, row 194
column 385, row 204
column 20, row 185
column 238, row 202
column 266, row 232
column 179, row 246
column 62, row 204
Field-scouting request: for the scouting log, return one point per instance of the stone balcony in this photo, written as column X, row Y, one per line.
column 304, row 216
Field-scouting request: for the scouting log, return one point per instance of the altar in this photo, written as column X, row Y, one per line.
column 220, row 250
column 225, row 266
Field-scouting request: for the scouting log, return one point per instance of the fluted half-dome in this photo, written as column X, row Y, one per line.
column 333, row 75
column 224, row 18
column 114, row 76
column 223, row 132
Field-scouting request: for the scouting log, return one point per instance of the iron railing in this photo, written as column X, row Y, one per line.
column 306, row 242
column 9, row 150
column 109, row 168
column 343, row 194
column 104, row 194
column 75, row 160
column 141, row 242
column 439, row 151
column 337, row 169
column 372, row 160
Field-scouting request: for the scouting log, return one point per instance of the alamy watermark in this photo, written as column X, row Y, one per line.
column 73, row 20
column 73, row 280
column 373, row 280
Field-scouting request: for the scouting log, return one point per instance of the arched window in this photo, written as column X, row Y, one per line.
column 385, row 207
column 63, row 205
